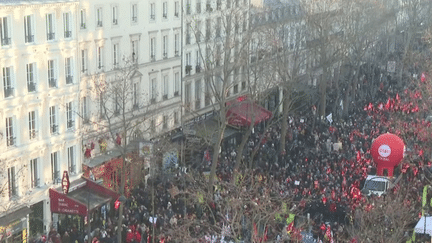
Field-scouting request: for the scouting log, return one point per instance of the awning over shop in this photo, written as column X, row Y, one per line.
column 242, row 111
column 209, row 130
column 14, row 216
column 76, row 202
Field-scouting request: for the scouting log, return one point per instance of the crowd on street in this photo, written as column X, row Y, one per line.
column 326, row 161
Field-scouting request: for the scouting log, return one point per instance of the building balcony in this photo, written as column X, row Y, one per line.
column 68, row 34
column 52, row 83
column 54, row 129
column 188, row 69
column 69, row 79
column 50, row 36
column 11, row 141
column 8, row 92
column 33, row 134
column 29, row 38
column 31, row 86
column 5, row 41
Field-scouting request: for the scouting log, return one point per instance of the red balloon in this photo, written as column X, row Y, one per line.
column 387, row 150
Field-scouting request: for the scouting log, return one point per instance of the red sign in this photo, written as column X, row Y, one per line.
column 65, row 182
column 60, row 203
column 387, row 151
column 117, row 204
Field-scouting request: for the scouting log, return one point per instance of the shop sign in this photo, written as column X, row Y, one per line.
column 60, row 203
column 11, row 229
column 65, row 182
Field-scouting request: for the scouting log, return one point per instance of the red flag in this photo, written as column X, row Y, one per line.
column 387, row 106
column 397, row 97
column 423, row 77
column 328, row 233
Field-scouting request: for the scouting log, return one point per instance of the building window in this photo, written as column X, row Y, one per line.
column 165, row 46
column 7, row 82
column 32, row 125
column 198, row 6
column 28, row 29
column 176, row 44
column 51, row 74
column 50, row 27
column 85, row 114
column 10, row 138
column 176, row 120
column 188, row 7
column 152, row 11
column 207, row 92
column 114, row 15
column 53, row 120
column 135, row 95
column 82, row 19
column 188, row 34
column 84, row 61
column 55, row 168
column 102, row 105
column 34, row 173
column 165, row 87
column 134, row 13
column 99, row 14
column 188, row 69
column 198, row 94
column 153, row 90
column 116, row 55
column 69, row 115
column 5, row 31
column 31, row 83
column 164, row 122
column 12, row 185
column 153, row 126
column 67, row 25
column 100, row 57
column 71, row 159
column 198, row 32
column 176, row 83
column 116, row 103
column 153, row 49
column 68, row 70
column 176, row 9
column 165, row 10
column 208, row 29
column 188, row 96
column 134, row 45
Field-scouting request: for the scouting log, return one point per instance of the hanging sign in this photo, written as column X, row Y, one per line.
column 65, row 182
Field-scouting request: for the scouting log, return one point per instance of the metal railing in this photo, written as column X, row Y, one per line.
column 8, row 92
column 68, row 34
column 70, row 124
column 54, row 129
column 31, row 86
column 69, row 79
column 50, row 36
column 52, row 83
column 6, row 41
column 29, row 38
column 11, row 141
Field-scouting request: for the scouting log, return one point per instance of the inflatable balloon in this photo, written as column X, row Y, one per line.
column 387, row 151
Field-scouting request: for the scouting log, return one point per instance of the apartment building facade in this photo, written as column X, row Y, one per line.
column 52, row 51
column 213, row 31
column 39, row 133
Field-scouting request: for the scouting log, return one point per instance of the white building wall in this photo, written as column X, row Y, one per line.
column 17, row 55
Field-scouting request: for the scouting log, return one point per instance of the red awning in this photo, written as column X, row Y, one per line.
column 75, row 202
column 242, row 112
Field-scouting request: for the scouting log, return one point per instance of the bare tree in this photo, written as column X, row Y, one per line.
column 121, row 118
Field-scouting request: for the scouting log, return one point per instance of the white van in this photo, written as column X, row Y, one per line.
column 376, row 185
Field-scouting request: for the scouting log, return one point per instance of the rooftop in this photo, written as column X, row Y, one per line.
column 29, row 2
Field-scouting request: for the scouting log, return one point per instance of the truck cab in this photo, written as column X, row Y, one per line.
column 376, row 185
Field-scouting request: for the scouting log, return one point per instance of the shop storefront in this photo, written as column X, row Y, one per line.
column 107, row 167
column 86, row 198
column 13, row 226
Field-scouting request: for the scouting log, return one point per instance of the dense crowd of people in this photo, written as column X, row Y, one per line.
column 326, row 161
